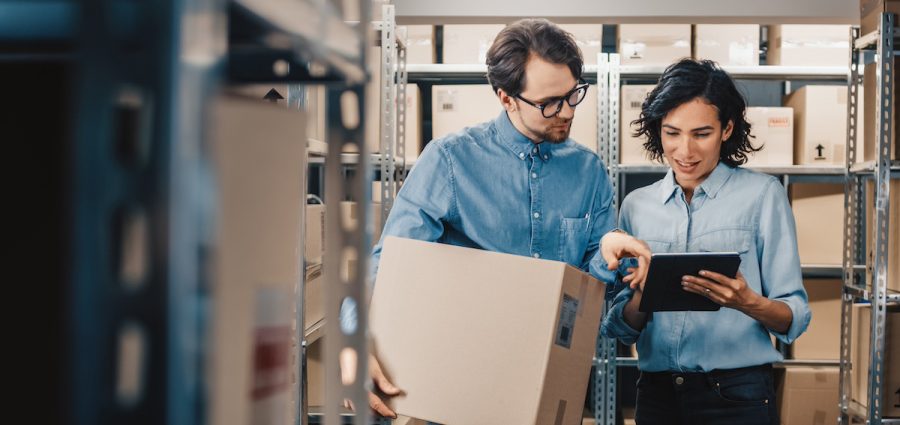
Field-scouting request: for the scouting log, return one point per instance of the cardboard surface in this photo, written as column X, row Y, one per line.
column 870, row 124
column 819, row 215
column 809, row 396
column 860, row 358
column 821, row 341
column 419, row 44
column 654, row 44
column 820, row 124
column 773, row 128
column 893, row 236
column 255, row 267
column 631, row 149
column 809, row 45
column 468, row 44
column 513, row 337
column 729, row 45
column 589, row 38
column 870, row 13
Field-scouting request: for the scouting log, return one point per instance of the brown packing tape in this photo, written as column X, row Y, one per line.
column 560, row 412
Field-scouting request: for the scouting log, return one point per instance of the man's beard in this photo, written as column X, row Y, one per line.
column 554, row 134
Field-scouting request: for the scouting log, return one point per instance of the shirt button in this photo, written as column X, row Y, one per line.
column 521, row 155
column 536, row 255
column 534, row 150
column 679, row 380
column 546, row 157
column 534, row 175
column 537, row 215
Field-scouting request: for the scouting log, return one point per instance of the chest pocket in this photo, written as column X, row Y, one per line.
column 573, row 239
column 722, row 240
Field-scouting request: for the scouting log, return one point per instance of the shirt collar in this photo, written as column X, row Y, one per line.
column 517, row 143
column 710, row 186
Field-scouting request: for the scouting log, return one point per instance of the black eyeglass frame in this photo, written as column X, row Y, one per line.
column 558, row 100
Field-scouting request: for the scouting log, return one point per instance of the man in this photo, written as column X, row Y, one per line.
column 517, row 184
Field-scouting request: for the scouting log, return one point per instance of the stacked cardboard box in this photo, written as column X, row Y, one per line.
column 589, row 38
column 809, row 395
column 773, row 128
column 860, row 357
column 657, row 44
column 515, row 335
column 819, row 214
column 820, row 124
column 468, row 44
column 419, row 44
column 870, row 13
column 809, row 45
column 730, row 45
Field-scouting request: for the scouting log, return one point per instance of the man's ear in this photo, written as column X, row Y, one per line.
column 508, row 102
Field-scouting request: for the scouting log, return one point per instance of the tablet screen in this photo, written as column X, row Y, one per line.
column 663, row 290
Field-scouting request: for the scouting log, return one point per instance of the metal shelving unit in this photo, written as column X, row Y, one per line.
column 860, row 282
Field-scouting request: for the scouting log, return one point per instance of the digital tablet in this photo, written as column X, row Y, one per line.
column 663, row 290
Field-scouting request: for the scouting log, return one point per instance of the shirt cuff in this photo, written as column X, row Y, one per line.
column 799, row 321
column 614, row 325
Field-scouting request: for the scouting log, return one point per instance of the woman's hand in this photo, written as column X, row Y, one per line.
column 721, row 289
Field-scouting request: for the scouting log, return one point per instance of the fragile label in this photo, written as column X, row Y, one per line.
column 565, row 328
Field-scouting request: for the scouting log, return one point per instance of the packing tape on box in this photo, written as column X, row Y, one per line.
column 560, row 412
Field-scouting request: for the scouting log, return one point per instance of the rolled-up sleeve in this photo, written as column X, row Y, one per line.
column 781, row 274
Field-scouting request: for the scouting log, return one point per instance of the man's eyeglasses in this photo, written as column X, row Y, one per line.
column 551, row 108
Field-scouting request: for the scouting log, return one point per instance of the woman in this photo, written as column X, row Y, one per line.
column 710, row 367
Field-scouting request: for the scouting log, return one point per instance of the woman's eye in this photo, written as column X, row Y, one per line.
column 702, row 135
column 671, row 133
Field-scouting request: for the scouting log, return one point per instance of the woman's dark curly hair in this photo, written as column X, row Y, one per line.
column 687, row 80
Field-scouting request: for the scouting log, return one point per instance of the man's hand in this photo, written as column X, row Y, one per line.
column 616, row 245
column 379, row 381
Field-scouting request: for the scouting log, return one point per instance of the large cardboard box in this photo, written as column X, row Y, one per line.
column 819, row 214
column 773, row 128
column 469, row 44
column 821, row 341
column 631, row 149
column 809, row 45
column 729, row 45
column 820, row 124
column 893, row 248
column 809, row 395
column 255, row 267
column 509, row 337
column 654, row 44
column 419, row 44
column 456, row 107
column 413, row 123
column 870, row 13
column 860, row 356
column 589, row 38
column 870, row 124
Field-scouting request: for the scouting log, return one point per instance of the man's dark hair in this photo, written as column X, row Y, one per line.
column 683, row 82
column 507, row 56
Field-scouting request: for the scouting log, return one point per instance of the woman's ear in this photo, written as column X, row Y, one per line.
column 729, row 128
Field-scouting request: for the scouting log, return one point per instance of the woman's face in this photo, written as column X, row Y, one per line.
column 691, row 140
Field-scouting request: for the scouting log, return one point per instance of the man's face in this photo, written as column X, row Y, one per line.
column 543, row 81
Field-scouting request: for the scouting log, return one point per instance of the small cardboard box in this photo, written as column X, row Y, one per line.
column 893, row 242
column 819, row 342
column 654, row 44
column 773, row 128
column 631, row 149
column 819, row 214
column 458, row 106
column 809, row 45
column 820, row 124
column 809, row 395
column 860, row 357
column 469, row 44
column 513, row 336
column 419, row 44
column 729, row 45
